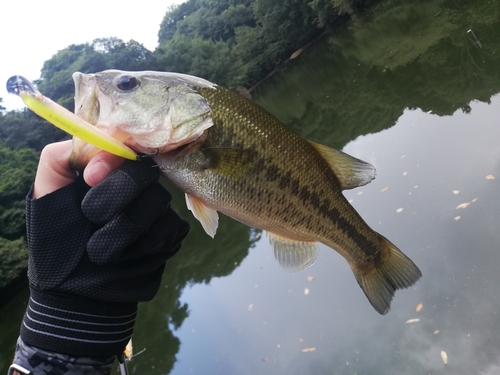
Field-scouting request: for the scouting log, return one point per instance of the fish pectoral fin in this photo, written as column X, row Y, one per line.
column 350, row 171
column 292, row 256
column 380, row 282
column 207, row 216
column 230, row 162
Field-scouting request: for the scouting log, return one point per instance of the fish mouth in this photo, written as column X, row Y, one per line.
column 88, row 107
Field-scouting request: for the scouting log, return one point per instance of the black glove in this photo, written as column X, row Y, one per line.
column 94, row 254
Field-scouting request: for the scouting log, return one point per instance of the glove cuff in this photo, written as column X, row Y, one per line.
column 76, row 326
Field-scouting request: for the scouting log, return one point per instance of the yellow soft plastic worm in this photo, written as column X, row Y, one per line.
column 66, row 120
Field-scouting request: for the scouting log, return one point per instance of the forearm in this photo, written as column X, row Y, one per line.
column 64, row 335
column 94, row 254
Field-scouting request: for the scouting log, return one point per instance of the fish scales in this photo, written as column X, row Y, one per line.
column 230, row 155
column 291, row 173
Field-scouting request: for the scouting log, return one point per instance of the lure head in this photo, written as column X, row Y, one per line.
column 151, row 112
column 19, row 85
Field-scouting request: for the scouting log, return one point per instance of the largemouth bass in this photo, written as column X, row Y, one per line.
column 230, row 155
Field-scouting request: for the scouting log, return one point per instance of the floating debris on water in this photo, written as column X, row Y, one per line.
column 411, row 321
column 307, row 350
column 399, row 210
column 310, row 278
column 456, row 218
column 456, row 192
column 306, row 291
column 419, row 307
column 466, row 204
column 384, row 189
column 490, row 177
column 250, row 307
column 444, row 357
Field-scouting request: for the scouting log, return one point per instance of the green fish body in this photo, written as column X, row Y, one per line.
column 246, row 164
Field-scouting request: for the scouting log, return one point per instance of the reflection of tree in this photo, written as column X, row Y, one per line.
column 361, row 80
column 199, row 260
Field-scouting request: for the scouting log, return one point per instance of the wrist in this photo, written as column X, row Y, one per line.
column 77, row 326
column 39, row 361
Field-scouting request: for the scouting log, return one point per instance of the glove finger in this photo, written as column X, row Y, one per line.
column 110, row 197
column 57, row 233
column 165, row 236
column 108, row 243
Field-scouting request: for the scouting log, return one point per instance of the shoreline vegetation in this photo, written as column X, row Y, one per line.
column 238, row 44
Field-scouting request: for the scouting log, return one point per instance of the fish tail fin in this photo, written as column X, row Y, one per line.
column 379, row 283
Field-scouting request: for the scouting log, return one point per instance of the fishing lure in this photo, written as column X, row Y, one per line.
column 66, row 120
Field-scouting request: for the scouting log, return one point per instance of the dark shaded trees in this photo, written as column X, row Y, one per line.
column 248, row 39
column 17, row 170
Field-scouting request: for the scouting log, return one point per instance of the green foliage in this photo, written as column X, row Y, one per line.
column 21, row 129
column 17, row 171
column 106, row 53
column 200, row 57
column 13, row 259
column 234, row 43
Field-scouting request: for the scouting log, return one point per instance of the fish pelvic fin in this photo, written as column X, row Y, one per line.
column 207, row 216
column 350, row 171
column 397, row 271
column 292, row 256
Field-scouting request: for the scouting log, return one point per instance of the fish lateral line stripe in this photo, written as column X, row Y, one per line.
column 325, row 207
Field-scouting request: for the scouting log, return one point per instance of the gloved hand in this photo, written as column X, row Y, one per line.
column 94, row 254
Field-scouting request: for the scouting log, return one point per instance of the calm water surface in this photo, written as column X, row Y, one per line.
column 410, row 90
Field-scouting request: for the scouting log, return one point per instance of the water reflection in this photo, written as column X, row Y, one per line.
column 377, row 74
column 360, row 80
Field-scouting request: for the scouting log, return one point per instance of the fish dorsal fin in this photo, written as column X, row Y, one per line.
column 350, row 171
column 207, row 216
column 230, row 162
column 292, row 256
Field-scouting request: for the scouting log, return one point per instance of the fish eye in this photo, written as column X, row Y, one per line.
column 127, row 83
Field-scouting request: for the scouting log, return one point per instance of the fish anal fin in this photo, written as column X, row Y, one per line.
column 350, row 171
column 292, row 256
column 207, row 216
column 379, row 284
